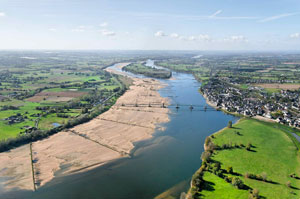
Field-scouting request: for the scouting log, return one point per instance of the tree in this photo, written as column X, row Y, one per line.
column 288, row 184
column 210, row 147
column 84, row 110
column 254, row 194
column 207, row 141
column 229, row 124
column 264, row 176
column 205, row 156
column 229, row 170
column 248, row 146
column 218, row 165
column 237, row 182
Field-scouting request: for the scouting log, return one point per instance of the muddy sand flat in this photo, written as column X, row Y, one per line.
column 66, row 148
column 135, row 117
column 15, row 167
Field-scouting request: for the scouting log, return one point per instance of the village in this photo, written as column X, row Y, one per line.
column 283, row 107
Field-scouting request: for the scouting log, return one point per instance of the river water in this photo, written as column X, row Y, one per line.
column 168, row 160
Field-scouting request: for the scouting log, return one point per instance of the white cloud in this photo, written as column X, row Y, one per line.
column 215, row 14
column 2, row 14
column 104, row 24
column 278, row 17
column 204, row 38
column 192, row 38
column 200, row 37
column 160, row 34
column 236, row 38
column 295, row 36
column 52, row 29
column 108, row 33
column 174, row 35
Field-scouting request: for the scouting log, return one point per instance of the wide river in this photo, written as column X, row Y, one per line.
column 166, row 161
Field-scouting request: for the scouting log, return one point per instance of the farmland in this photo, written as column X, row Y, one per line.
column 43, row 90
column 241, row 68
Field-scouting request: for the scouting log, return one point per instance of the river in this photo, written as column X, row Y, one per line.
column 170, row 158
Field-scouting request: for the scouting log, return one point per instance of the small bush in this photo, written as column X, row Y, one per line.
column 206, row 156
column 246, row 175
column 237, row 182
column 288, row 184
column 258, row 177
column 264, row 176
column 249, row 145
column 229, row 124
column 228, row 179
column 229, row 170
column 254, row 194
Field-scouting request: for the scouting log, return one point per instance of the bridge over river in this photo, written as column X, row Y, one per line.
column 190, row 107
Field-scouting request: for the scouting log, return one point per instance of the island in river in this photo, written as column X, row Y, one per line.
column 142, row 68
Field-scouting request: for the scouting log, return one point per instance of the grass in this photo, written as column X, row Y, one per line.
column 218, row 188
column 272, row 90
column 46, row 123
column 244, row 86
column 273, row 153
column 11, row 131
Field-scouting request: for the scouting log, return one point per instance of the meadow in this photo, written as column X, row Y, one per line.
column 273, row 157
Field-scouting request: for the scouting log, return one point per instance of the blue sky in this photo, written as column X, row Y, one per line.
column 150, row 25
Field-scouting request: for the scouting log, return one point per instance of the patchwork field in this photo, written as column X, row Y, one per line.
column 37, row 93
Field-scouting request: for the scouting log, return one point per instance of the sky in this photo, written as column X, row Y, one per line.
column 260, row 25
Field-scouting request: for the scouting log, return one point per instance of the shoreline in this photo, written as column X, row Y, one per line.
column 107, row 137
column 209, row 150
column 242, row 117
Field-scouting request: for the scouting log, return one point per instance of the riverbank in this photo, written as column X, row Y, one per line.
column 251, row 148
column 258, row 117
column 105, row 138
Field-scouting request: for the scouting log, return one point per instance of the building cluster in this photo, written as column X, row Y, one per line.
column 15, row 119
column 284, row 107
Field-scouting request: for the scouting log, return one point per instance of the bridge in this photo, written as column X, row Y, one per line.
column 190, row 107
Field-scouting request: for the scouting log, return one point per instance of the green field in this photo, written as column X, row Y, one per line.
column 273, row 153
